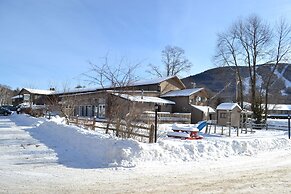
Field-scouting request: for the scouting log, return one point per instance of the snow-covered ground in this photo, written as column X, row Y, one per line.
column 47, row 156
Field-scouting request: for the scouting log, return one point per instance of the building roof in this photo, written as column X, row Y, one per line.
column 204, row 109
column 156, row 81
column 78, row 90
column 151, row 81
column 227, row 106
column 37, row 91
column 137, row 83
column 185, row 92
column 148, row 99
column 86, row 90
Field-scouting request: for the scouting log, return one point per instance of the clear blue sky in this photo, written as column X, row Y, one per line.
column 47, row 43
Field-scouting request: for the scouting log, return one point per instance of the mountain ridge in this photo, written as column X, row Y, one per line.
column 224, row 78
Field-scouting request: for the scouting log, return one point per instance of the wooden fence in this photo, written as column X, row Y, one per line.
column 137, row 131
column 277, row 127
column 167, row 117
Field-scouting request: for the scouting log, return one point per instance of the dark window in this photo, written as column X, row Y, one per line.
column 222, row 115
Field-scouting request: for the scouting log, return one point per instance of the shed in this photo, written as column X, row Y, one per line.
column 228, row 113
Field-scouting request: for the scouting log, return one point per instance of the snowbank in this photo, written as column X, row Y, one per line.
column 79, row 148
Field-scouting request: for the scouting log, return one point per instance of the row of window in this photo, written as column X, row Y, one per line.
column 90, row 111
column 198, row 99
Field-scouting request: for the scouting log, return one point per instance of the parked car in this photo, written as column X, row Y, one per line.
column 4, row 111
column 9, row 107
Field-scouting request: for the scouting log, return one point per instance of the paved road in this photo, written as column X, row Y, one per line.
column 28, row 166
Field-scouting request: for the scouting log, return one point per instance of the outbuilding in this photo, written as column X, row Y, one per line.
column 228, row 113
column 193, row 100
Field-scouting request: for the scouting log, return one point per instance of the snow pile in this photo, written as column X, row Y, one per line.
column 77, row 147
column 210, row 149
column 80, row 148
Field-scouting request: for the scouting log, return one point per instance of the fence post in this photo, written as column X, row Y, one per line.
column 151, row 135
column 77, row 119
column 237, row 131
column 229, row 130
column 107, row 128
column 94, row 121
column 215, row 126
column 117, row 127
column 128, row 128
column 156, row 121
column 206, row 130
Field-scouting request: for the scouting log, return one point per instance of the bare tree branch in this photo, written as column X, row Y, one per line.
column 174, row 62
column 251, row 42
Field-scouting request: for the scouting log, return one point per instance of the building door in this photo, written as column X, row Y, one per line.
column 101, row 111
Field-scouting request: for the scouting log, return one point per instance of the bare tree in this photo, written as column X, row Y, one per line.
column 118, row 79
column 63, row 102
column 5, row 94
column 255, row 38
column 113, row 76
column 252, row 42
column 281, row 53
column 227, row 55
column 174, row 62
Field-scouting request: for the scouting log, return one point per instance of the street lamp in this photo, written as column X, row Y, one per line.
column 156, row 121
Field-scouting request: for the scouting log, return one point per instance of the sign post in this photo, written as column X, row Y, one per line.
column 289, row 125
column 156, row 121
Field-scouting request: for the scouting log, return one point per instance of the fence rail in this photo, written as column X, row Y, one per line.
column 122, row 129
column 166, row 117
column 277, row 127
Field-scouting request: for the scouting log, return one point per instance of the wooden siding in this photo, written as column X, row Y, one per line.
column 235, row 117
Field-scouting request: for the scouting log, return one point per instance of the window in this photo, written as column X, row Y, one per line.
column 26, row 97
column 101, row 111
column 222, row 115
column 204, row 99
column 76, row 111
column 198, row 99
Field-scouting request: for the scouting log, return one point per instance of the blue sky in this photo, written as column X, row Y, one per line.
column 46, row 43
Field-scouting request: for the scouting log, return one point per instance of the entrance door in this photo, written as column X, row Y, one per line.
column 101, row 111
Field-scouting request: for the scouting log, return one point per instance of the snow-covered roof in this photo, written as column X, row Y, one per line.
column 279, row 107
column 78, row 90
column 149, row 99
column 17, row 96
column 205, row 109
column 75, row 94
column 152, row 81
column 37, row 91
column 137, row 83
column 227, row 106
column 185, row 92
